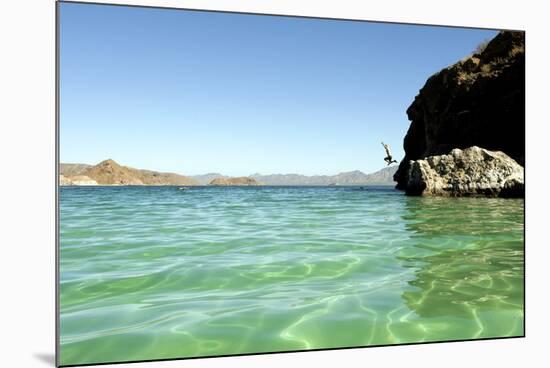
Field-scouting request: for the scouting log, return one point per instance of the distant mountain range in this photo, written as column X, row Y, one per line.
column 109, row 172
column 380, row 177
column 243, row 180
column 205, row 179
column 383, row 177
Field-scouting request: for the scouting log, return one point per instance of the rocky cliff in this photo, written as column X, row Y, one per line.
column 479, row 101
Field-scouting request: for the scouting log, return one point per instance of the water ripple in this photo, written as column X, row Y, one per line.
column 154, row 272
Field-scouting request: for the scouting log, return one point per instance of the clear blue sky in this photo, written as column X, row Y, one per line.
column 197, row 92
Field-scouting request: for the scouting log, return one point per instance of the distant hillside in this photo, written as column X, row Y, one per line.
column 72, row 169
column 205, row 179
column 243, row 180
column 381, row 177
column 109, row 172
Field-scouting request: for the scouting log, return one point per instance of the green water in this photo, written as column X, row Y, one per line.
column 156, row 272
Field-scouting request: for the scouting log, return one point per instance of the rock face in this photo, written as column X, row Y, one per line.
column 479, row 101
column 470, row 172
column 244, row 180
column 109, row 172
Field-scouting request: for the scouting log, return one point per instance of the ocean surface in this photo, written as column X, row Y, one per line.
column 157, row 272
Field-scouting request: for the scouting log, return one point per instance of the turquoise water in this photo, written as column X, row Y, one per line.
column 156, row 272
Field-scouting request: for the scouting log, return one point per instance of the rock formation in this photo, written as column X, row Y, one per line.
column 244, row 180
column 470, row 172
column 479, row 101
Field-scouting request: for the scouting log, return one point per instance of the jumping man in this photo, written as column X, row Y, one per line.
column 389, row 159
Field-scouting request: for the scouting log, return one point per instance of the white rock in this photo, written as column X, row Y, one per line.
column 473, row 171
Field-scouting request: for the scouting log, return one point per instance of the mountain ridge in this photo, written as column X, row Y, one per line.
column 355, row 177
column 109, row 172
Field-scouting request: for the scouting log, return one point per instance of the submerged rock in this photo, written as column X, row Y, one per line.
column 470, row 172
